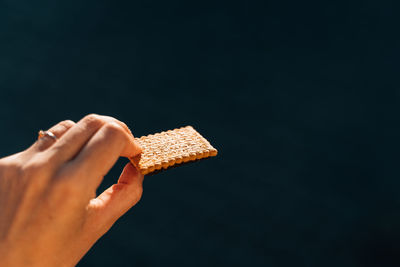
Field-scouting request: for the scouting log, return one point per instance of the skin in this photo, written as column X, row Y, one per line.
column 49, row 212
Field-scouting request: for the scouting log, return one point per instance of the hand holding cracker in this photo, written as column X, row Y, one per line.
column 50, row 214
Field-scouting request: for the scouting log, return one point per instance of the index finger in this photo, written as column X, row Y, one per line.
column 71, row 143
column 101, row 152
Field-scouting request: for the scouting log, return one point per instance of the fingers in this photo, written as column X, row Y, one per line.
column 76, row 138
column 58, row 130
column 102, row 151
column 118, row 199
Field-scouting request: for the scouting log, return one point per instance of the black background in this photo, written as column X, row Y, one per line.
column 298, row 97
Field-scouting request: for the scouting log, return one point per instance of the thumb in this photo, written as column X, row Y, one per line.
column 117, row 199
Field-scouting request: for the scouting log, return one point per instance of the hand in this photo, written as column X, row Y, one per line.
column 49, row 212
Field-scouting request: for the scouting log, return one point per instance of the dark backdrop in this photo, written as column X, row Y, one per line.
column 299, row 98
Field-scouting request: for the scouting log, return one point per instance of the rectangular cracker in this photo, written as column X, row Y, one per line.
column 170, row 148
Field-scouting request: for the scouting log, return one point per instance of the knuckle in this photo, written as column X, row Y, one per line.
column 115, row 131
column 91, row 116
column 67, row 123
column 124, row 126
column 120, row 123
column 93, row 121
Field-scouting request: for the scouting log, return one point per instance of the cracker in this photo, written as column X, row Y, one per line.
column 170, row 148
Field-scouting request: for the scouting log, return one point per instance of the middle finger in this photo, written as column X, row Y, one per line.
column 71, row 143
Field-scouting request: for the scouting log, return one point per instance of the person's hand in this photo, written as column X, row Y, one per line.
column 49, row 212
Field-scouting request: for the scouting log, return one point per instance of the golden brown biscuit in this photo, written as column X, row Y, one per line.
column 167, row 149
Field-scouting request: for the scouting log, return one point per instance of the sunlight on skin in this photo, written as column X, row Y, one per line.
column 50, row 215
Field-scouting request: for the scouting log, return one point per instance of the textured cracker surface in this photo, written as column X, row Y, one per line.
column 169, row 148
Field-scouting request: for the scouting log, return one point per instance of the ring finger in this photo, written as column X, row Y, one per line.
column 57, row 130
